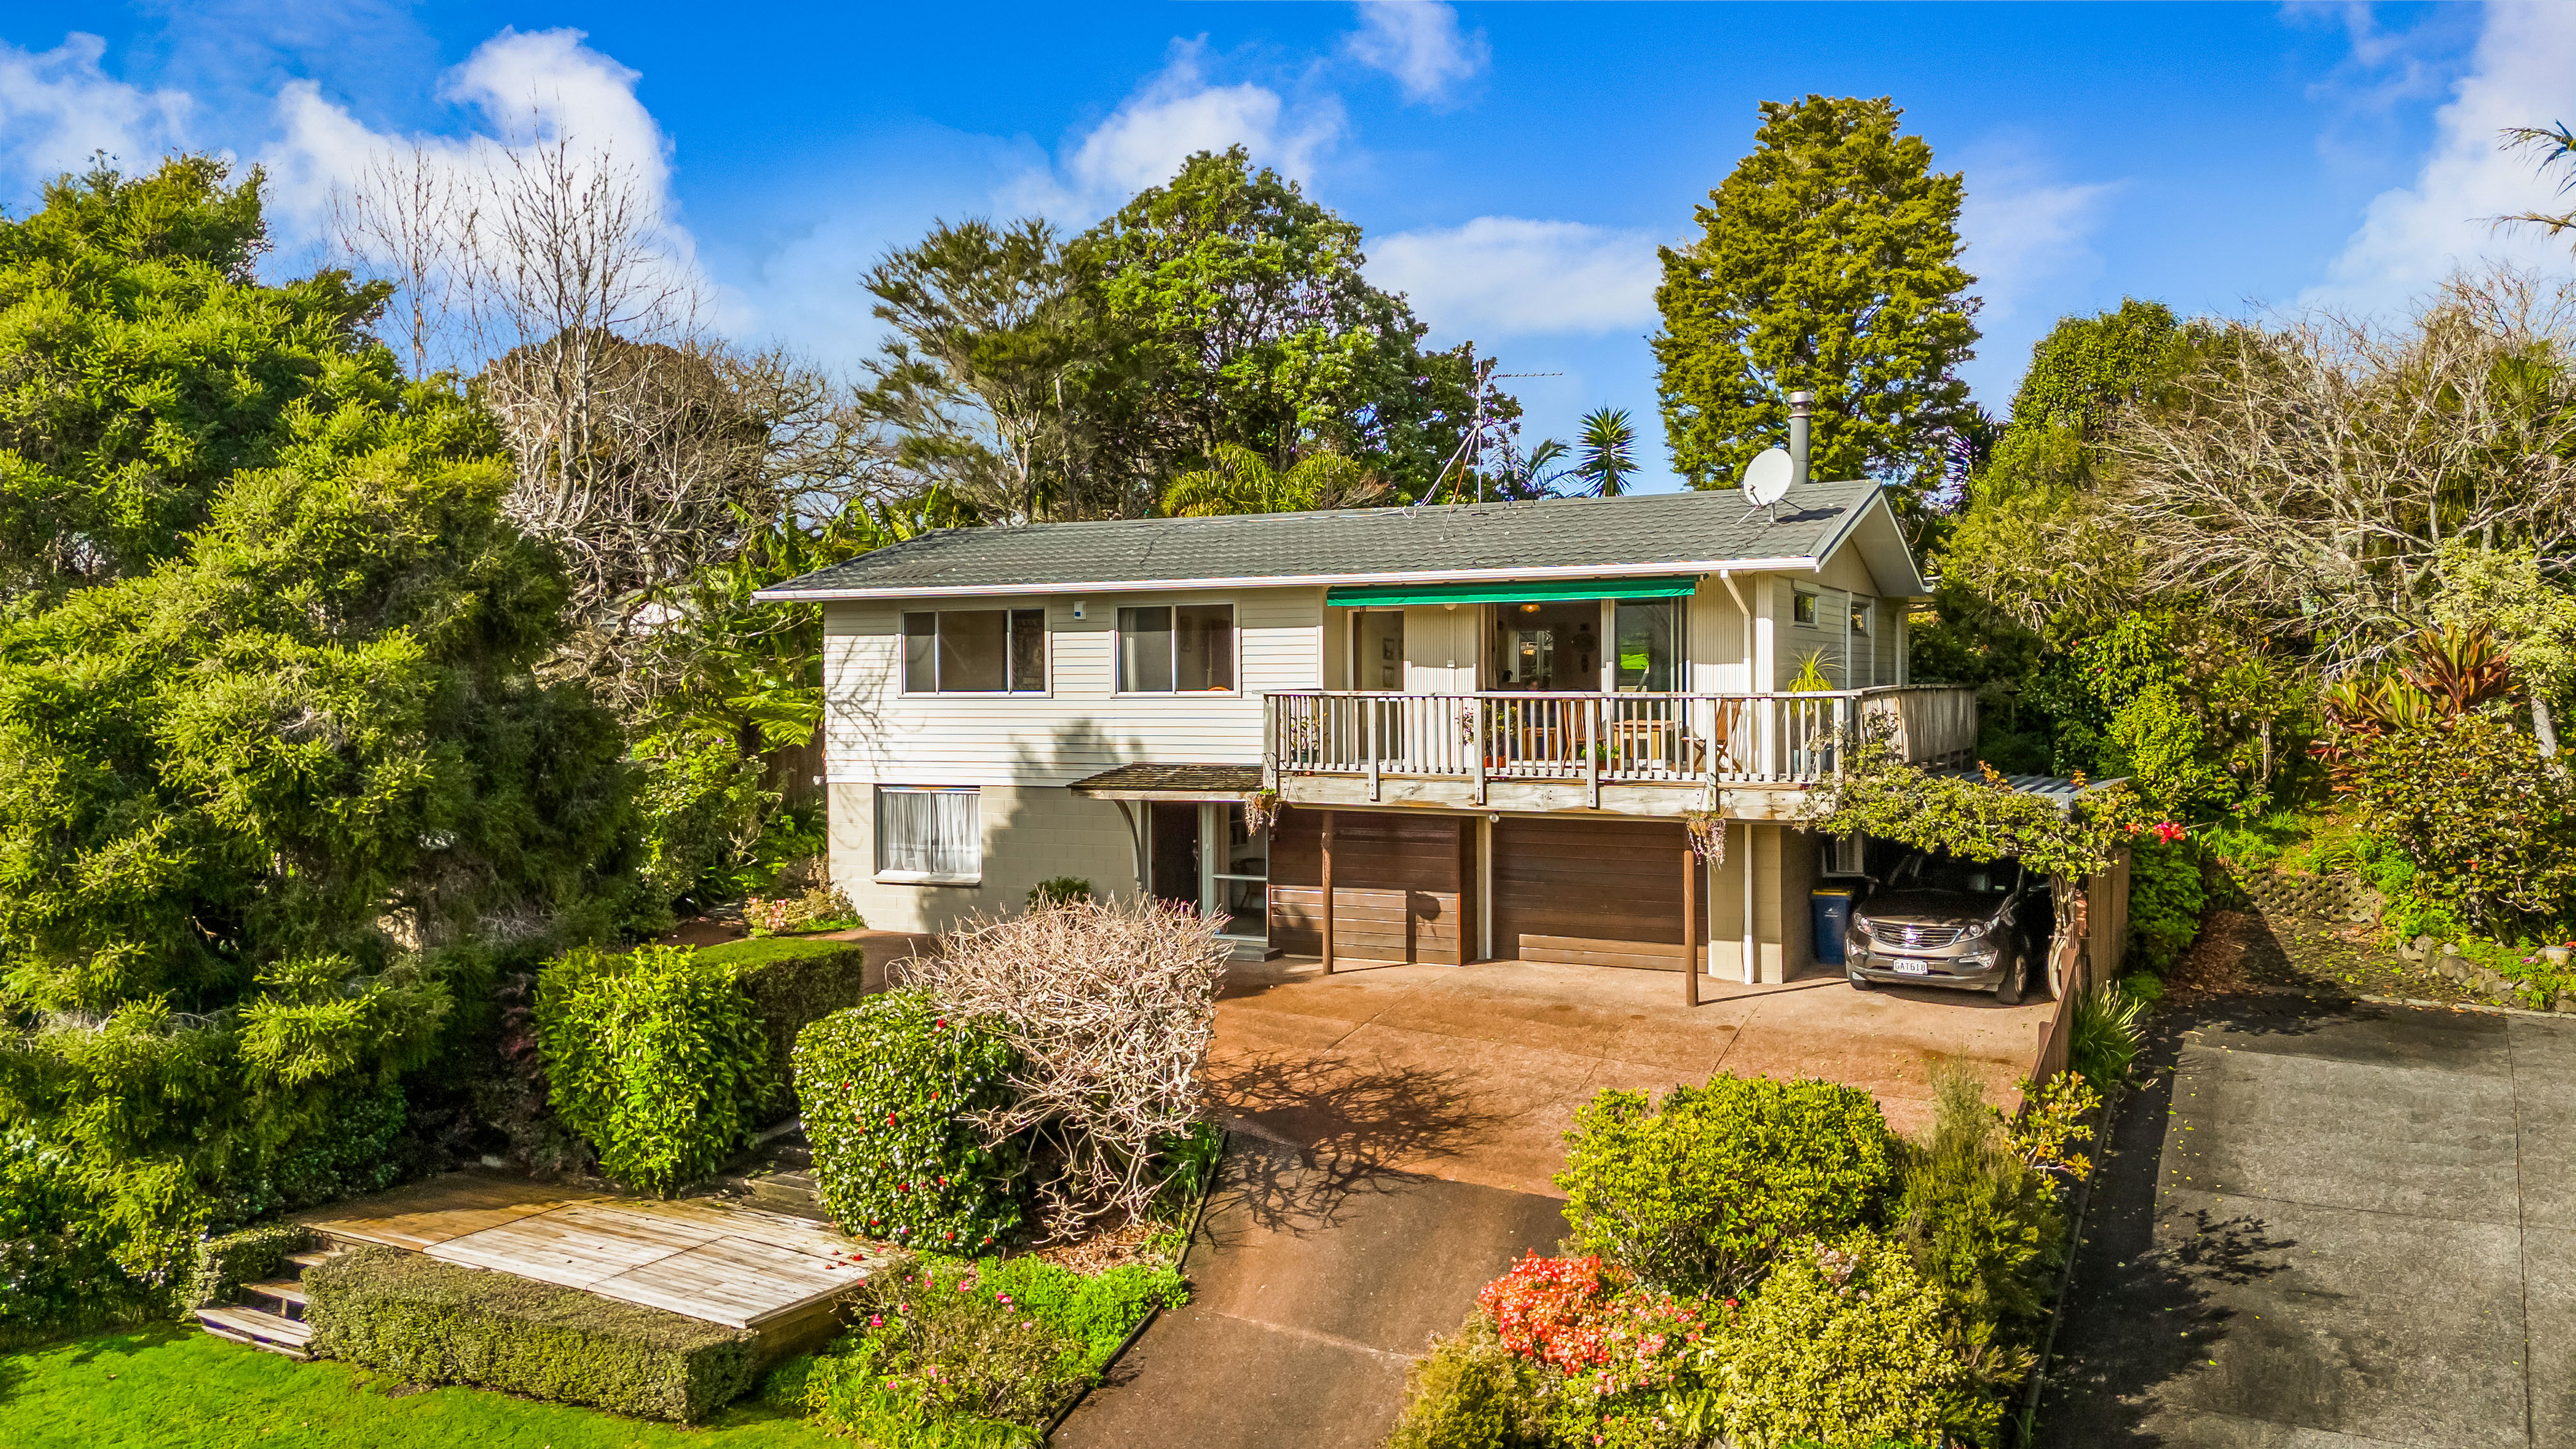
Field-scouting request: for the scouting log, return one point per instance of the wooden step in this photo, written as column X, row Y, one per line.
column 259, row 1330
column 310, row 1260
column 285, row 1290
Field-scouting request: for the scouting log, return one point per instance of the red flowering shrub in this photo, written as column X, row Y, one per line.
column 1590, row 1322
column 1551, row 1309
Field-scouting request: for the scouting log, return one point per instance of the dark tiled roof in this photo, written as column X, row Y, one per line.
column 1183, row 779
column 1683, row 532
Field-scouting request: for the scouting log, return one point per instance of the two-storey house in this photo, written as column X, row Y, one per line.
column 1483, row 723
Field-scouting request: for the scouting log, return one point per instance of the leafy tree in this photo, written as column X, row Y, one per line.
column 1829, row 261
column 262, row 794
column 1242, row 481
column 1609, row 451
column 988, row 381
column 145, row 364
column 1237, row 307
column 2506, row 593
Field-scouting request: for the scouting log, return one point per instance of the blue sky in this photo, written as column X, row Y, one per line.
column 1514, row 165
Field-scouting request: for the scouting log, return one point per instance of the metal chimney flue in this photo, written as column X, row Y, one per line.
column 1801, row 406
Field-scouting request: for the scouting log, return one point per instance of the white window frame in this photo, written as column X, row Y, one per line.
column 1118, row 649
column 877, row 828
column 1046, row 655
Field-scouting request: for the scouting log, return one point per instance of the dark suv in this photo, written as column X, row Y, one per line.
column 1938, row 920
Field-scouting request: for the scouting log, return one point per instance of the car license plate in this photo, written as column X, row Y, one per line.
column 1908, row 966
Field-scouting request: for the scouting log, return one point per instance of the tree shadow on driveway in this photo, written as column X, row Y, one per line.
column 2145, row 1303
column 1345, row 1129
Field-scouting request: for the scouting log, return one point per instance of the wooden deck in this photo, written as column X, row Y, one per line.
column 703, row 1258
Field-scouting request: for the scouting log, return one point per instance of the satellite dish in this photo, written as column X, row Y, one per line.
column 1766, row 478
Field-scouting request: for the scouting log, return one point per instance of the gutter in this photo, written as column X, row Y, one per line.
column 931, row 589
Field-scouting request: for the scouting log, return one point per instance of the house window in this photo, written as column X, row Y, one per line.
column 930, row 834
column 1802, row 606
column 1860, row 611
column 1649, row 637
column 1183, row 650
column 975, row 651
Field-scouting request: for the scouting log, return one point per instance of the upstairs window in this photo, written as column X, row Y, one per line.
column 1650, row 643
column 975, row 651
column 1187, row 649
column 1860, row 612
column 1802, row 606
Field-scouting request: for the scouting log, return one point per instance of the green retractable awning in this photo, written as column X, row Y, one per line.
column 1374, row 595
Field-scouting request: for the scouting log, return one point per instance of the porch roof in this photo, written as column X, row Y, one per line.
column 1657, row 536
column 1171, row 782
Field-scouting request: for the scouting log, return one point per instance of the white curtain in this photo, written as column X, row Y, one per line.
column 929, row 832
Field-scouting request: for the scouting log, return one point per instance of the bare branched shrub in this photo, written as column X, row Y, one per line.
column 2306, row 476
column 1111, row 1005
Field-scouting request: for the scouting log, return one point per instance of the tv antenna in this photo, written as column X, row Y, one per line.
column 1471, row 448
column 1766, row 481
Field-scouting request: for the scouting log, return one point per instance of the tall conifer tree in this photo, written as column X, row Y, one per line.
column 1830, row 261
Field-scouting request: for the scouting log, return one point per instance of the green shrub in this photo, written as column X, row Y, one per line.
column 1059, row 891
column 2489, row 825
column 1701, row 1192
column 356, row 1143
column 2106, row 1031
column 656, row 1057
column 792, row 984
column 1098, row 1309
column 1470, row 1392
column 1846, row 1344
column 818, row 908
column 59, row 1265
column 2166, row 901
column 438, row 1323
column 938, row 1341
column 225, row 1263
column 1983, row 1227
column 891, row 1090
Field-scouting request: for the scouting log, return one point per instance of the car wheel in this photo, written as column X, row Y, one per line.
column 2008, row 990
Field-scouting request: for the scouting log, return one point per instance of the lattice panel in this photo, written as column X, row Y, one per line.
column 2320, row 897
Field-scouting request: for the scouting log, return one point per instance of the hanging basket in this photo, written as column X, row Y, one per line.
column 1260, row 810
column 1707, row 834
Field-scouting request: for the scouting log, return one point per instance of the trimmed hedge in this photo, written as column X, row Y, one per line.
column 225, row 1263
column 656, row 1057
column 438, row 1323
column 793, row 983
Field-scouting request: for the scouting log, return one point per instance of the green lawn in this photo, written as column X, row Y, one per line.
column 164, row 1386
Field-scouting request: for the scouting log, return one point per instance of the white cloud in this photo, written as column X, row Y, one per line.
column 2412, row 237
column 1500, row 276
column 57, row 106
column 2021, row 229
column 1176, row 113
column 1418, row 42
column 532, row 89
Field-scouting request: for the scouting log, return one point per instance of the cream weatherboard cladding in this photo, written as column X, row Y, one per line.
column 877, row 733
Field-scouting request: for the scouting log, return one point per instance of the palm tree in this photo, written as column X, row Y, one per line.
column 1242, row 481
column 1608, row 458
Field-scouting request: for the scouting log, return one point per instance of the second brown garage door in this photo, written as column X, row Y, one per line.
column 1594, row 892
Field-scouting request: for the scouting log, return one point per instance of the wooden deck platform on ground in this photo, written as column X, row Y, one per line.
column 702, row 1258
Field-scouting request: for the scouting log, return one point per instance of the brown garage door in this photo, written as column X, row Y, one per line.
column 1595, row 892
column 1398, row 885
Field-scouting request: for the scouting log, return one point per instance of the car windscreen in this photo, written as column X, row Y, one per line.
column 1967, row 877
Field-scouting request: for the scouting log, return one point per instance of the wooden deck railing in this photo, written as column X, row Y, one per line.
column 1719, row 739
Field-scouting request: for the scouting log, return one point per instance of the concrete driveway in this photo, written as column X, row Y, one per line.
column 1472, row 1073
column 2332, row 1228
column 1395, row 1128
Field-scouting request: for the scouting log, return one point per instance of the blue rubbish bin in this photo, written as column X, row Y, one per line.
column 1832, row 907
